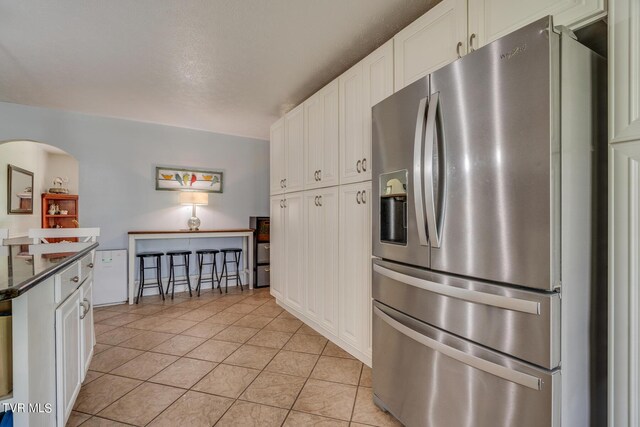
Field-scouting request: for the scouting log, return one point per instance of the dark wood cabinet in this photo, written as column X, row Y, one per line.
column 261, row 250
column 65, row 214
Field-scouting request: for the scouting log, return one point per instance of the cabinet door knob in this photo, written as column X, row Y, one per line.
column 364, row 164
column 362, row 197
column 320, row 175
column 315, row 200
column 458, row 46
column 473, row 36
column 358, row 163
column 319, row 200
column 358, row 197
column 75, row 279
column 90, row 265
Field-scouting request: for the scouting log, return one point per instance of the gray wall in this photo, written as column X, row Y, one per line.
column 117, row 163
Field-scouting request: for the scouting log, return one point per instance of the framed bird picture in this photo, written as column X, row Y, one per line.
column 176, row 179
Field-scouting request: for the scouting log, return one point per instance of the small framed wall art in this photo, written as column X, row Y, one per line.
column 176, row 179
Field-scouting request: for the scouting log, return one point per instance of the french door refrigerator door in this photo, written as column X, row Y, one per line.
column 399, row 222
column 495, row 122
column 427, row 377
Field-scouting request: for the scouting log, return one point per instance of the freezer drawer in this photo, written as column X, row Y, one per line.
column 263, row 253
column 523, row 324
column 427, row 377
column 263, row 276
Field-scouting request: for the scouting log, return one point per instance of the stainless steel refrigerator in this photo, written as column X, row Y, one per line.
column 485, row 236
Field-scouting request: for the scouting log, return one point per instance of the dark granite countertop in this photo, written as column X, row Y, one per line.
column 21, row 271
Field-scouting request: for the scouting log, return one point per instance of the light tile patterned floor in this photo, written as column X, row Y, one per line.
column 235, row 359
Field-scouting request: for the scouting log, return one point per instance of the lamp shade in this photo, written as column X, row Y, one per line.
column 194, row 198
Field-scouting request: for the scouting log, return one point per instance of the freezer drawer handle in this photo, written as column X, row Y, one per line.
column 500, row 301
column 462, row 357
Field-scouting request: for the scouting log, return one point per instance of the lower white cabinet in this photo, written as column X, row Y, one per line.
column 68, row 355
column 87, row 332
column 321, row 262
column 321, row 256
column 355, row 266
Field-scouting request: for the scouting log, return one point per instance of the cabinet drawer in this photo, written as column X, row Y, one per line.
column 86, row 265
column 264, row 276
column 66, row 282
column 263, row 253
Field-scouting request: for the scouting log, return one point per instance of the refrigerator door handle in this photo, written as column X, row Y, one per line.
column 515, row 304
column 429, row 192
column 499, row 371
column 417, row 173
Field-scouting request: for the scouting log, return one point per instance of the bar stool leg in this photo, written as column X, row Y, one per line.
column 186, row 263
column 140, row 280
column 237, row 256
column 159, row 275
column 225, row 274
column 199, row 259
column 214, row 275
column 172, row 275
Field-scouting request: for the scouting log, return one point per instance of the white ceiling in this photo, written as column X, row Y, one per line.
column 229, row 66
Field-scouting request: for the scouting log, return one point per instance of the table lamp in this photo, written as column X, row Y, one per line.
column 193, row 198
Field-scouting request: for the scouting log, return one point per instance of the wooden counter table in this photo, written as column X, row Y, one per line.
column 245, row 233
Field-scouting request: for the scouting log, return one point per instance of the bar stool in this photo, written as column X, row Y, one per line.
column 172, row 274
column 225, row 271
column 200, row 254
column 158, row 267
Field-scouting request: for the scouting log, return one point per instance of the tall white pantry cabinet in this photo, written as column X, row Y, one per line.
column 321, row 156
column 624, row 213
column 321, row 233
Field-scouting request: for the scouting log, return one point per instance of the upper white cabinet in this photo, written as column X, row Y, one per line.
column 454, row 28
column 321, row 259
column 321, row 138
column 287, row 147
column 492, row 19
column 294, row 149
column 435, row 39
column 624, row 70
column 278, row 169
column 361, row 87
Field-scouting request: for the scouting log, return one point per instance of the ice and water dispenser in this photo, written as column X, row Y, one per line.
column 393, row 207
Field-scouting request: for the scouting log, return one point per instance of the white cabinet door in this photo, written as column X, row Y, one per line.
column 435, row 39
column 277, row 148
column 277, row 241
column 492, row 19
column 377, row 78
column 351, row 126
column 68, row 356
column 86, row 326
column 321, row 114
column 624, row 70
column 294, row 250
column 321, row 256
column 294, row 149
column 355, row 264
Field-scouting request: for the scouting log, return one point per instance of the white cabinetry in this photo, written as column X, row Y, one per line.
column 277, row 239
column 435, row 39
column 286, row 146
column 455, row 27
column 492, row 19
column 294, row 148
column 321, row 256
column 277, row 149
column 361, row 87
column 355, row 265
column 321, row 138
column 624, row 70
column 88, row 339
column 68, row 355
